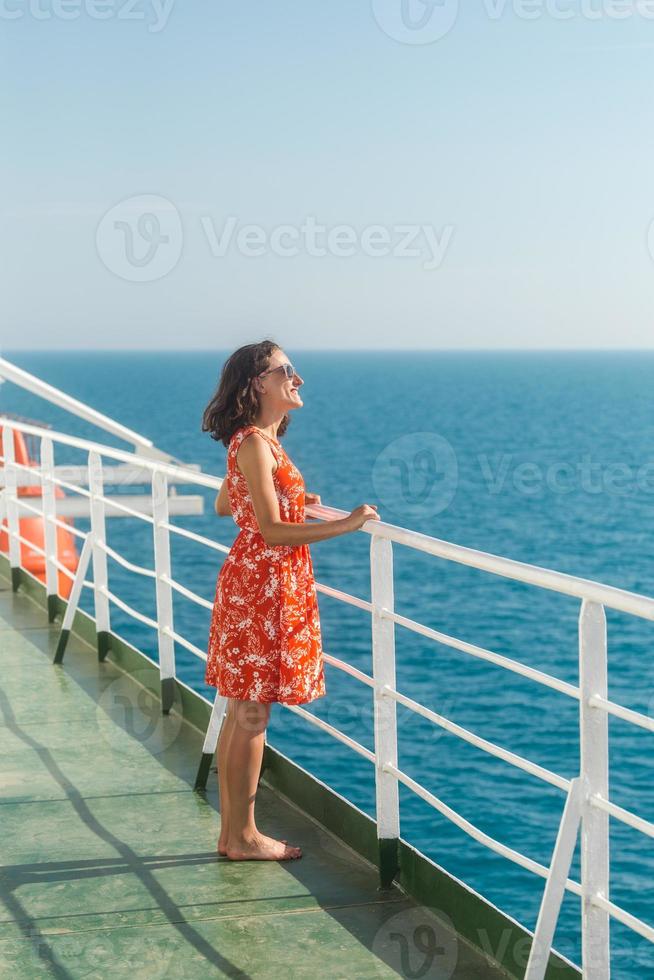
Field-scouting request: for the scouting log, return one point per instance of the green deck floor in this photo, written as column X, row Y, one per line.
column 109, row 866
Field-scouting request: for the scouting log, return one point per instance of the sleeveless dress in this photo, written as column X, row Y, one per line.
column 264, row 639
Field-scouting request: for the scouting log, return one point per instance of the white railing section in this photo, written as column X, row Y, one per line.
column 587, row 804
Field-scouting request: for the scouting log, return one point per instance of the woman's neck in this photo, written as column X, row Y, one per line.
column 270, row 429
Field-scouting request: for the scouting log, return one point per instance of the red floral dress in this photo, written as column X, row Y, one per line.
column 264, row 639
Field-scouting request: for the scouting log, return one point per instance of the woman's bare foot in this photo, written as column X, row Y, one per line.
column 259, row 847
column 222, row 844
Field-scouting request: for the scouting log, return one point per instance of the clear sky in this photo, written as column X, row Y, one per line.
column 412, row 175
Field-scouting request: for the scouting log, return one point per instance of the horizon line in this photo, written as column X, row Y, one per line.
column 327, row 350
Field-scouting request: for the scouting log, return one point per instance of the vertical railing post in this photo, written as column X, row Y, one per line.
column 385, row 717
column 162, row 569
column 49, row 527
column 11, row 503
column 100, row 577
column 594, row 756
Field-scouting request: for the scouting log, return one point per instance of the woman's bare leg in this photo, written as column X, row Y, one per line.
column 245, row 752
column 223, row 788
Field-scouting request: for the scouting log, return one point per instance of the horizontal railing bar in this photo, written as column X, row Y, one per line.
column 481, row 743
column 497, row 658
column 26, row 541
column 193, row 596
column 21, row 502
column 626, row 918
column 71, row 575
column 124, row 474
column 128, row 609
column 352, row 600
column 55, row 520
column 644, row 826
column 627, row 714
column 23, row 466
column 193, row 536
column 67, row 527
column 139, row 569
column 349, row 669
column 545, row 578
column 57, row 397
column 89, row 445
column 127, row 510
column 39, row 513
column 185, row 643
column 326, row 727
column 475, row 832
column 70, row 486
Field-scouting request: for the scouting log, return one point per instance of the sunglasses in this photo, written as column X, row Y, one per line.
column 287, row 368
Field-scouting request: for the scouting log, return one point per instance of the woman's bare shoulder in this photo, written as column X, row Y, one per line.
column 253, row 451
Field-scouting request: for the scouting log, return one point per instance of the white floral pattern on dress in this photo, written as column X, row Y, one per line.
column 265, row 641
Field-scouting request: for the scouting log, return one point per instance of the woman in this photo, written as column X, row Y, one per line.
column 264, row 639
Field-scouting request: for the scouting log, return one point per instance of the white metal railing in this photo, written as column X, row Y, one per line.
column 587, row 804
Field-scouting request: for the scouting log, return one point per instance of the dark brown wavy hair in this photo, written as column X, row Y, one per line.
column 234, row 402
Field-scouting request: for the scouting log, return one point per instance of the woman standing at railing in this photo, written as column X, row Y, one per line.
column 264, row 639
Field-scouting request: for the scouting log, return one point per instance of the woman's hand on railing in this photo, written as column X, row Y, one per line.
column 359, row 516
column 312, row 498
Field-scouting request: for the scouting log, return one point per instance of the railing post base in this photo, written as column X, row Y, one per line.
column 168, row 690
column 53, row 608
column 203, row 771
column 216, row 719
column 15, row 579
column 61, row 646
column 388, row 860
column 103, row 642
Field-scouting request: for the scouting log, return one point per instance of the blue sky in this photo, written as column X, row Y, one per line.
column 511, row 158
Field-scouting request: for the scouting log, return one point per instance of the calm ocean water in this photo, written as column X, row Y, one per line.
column 546, row 458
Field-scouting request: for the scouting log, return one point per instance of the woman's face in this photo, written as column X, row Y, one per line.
column 280, row 392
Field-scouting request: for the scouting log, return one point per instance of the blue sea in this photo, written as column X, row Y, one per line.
column 544, row 457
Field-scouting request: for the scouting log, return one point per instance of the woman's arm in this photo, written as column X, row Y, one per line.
column 256, row 461
column 222, row 505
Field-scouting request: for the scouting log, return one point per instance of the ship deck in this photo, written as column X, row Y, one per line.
column 109, row 864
